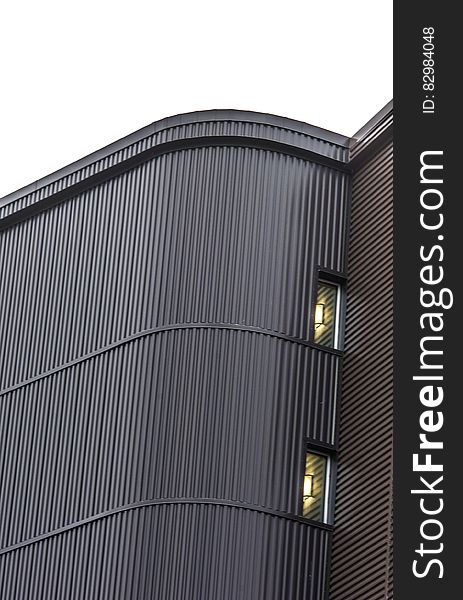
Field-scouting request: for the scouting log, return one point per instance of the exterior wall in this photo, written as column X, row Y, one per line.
column 362, row 544
column 159, row 377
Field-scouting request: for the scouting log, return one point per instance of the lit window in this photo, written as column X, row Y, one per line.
column 326, row 314
column 316, row 486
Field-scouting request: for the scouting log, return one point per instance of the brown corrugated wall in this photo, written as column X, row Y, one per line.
column 362, row 546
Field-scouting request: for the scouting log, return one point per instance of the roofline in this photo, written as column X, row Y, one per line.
column 189, row 118
column 380, row 116
column 270, row 132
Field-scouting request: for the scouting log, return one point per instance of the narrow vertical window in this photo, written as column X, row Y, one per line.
column 326, row 314
column 315, row 488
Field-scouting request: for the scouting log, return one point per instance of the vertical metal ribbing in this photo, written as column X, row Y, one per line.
column 237, row 257
column 90, row 447
column 208, row 552
column 208, row 255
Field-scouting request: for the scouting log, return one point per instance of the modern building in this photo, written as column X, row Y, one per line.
column 196, row 366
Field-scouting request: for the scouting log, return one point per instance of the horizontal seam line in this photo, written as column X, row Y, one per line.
column 160, row 502
column 171, row 327
column 105, row 174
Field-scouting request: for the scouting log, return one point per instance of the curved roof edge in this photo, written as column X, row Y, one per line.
column 294, row 132
column 198, row 130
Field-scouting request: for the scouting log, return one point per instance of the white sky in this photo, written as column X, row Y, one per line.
column 76, row 76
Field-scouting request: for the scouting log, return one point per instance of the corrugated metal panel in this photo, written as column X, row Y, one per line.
column 215, row 235
column 173, row 551
column 145, row 421
column 157, row 344
column 362, row 544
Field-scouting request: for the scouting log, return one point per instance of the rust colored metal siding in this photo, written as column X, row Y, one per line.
column 362, row 543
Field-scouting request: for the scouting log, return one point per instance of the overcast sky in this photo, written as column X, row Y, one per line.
column 76, row 76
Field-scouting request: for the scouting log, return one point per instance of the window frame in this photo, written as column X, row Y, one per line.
column 329, row 484
column 339, row 281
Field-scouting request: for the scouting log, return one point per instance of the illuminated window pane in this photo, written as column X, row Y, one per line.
column 325, row 316
column 314, row 492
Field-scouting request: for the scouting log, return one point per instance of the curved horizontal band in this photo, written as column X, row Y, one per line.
column 240, row 141
column 161, row 502
column 171, row 327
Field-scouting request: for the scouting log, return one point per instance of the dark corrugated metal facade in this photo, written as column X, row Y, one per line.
column 159, row 376
column 159, row 379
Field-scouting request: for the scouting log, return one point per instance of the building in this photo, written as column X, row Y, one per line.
column 196, row 379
